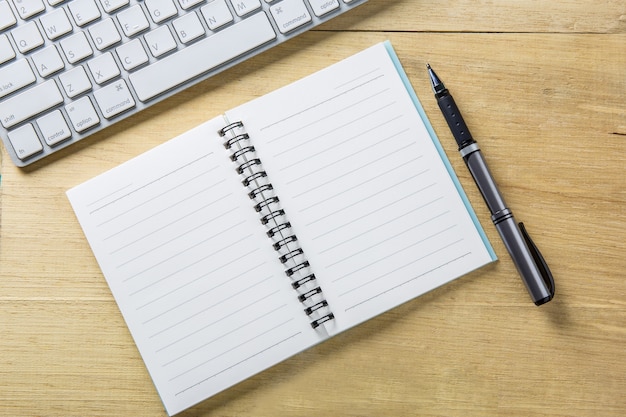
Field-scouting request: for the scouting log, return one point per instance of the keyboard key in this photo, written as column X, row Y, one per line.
column 132, row 21
column 202, row 56
column 7, row 18
column 321, row 7
column 188, row 27
column 54, row 128
column 82, row 114
column 25, row 142
column 27, row 37
column 160, row 10
column 84, row 11
column 75, row 81
column 160, row 41
column 48, row 61
column 104, row 34
column 244, row 7
column 15, row 76
column 216, row 14
column 6, row 50
column 111, row 5
column 29, row 8
column 103, row 68
column 31, row 102
column 114, row 99
column 56, row 24
column 290, row 15
column 132, row 54
column 188, row 4
column 76, row 47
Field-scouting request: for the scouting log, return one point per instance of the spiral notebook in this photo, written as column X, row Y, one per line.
column 284, row 222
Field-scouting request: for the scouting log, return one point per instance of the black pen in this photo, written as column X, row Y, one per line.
column 526, row 257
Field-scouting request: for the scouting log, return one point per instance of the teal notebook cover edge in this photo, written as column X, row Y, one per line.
column 442, row 154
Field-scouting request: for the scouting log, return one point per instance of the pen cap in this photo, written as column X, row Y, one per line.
column 533, row 271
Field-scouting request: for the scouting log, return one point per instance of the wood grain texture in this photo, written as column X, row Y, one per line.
column 542, row 86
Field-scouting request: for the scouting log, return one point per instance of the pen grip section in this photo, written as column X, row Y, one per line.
column 455, row 121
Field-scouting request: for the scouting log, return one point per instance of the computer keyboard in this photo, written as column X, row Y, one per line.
column 71, row 68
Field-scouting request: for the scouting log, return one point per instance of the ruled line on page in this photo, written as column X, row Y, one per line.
column 172, row 206
column 388, row 222
column 206, row 274
column 372, row 212
column 243, row 343
column 321, row 103
column 195, row 296
column 153, row 266
column 257, row 353
column 337, row 178
column 355, row 186
column 180, row 235
column 325, row 117
column 208, row 325
column 258, row 316
column 195, row 314
column 145, row 202
column 383, row 241
column 405, row 247
column 109, row 195
column 360, row 167
column 138, row 239
column 408, row 281
column 319, row 136
column 355, row 79
column 363, row 198
column 177, row 169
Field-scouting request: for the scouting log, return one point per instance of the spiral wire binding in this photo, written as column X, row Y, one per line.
column 273, row 217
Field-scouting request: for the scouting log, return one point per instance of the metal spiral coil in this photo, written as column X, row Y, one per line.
column 274, row 218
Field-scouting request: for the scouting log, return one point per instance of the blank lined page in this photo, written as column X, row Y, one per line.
column 369, row 196
column 185, row 256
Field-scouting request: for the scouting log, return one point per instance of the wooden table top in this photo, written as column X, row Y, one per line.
column 542, row 86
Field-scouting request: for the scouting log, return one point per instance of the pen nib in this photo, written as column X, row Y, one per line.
column 436, row 83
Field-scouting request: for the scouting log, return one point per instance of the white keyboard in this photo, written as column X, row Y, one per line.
column 71, row 68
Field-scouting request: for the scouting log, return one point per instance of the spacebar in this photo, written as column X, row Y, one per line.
column 202, row 56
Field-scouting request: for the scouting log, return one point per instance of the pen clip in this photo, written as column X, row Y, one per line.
column 541, row 263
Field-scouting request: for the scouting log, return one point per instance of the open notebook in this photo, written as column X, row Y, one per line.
column 284, row 222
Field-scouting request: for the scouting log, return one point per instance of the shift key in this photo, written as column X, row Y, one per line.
column 29, row 103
